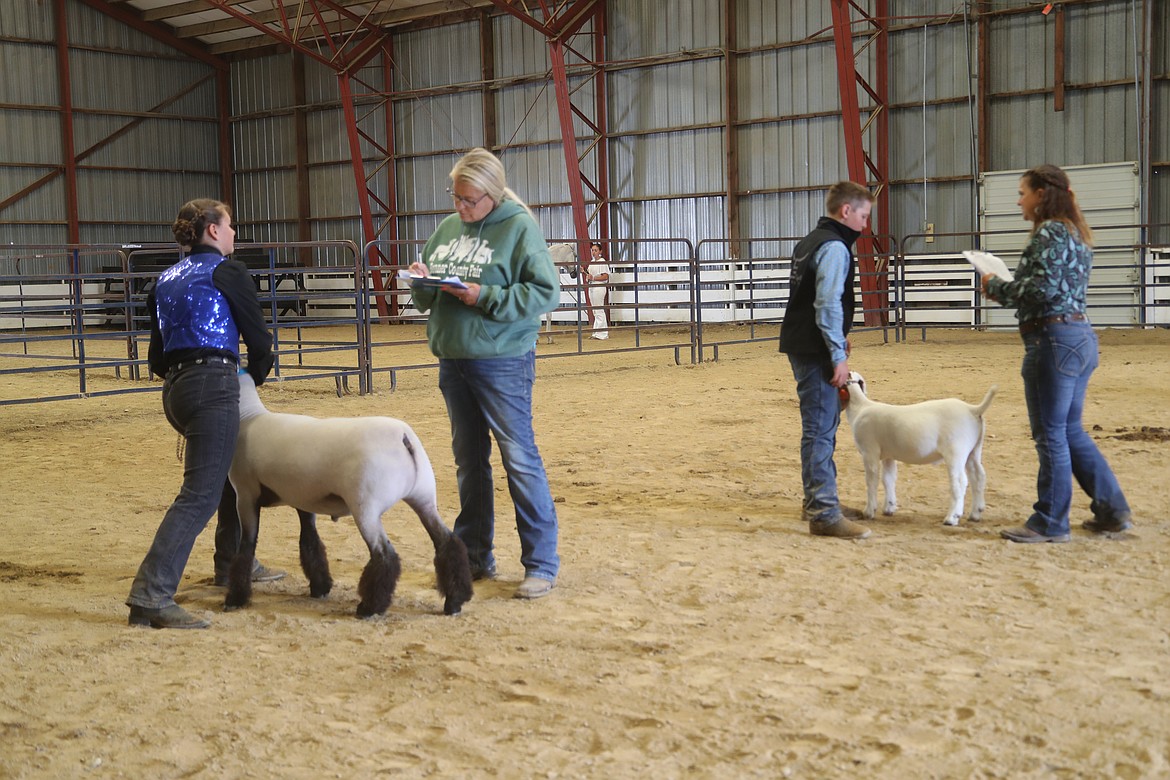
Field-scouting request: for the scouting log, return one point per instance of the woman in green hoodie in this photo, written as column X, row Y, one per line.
column 484, row 335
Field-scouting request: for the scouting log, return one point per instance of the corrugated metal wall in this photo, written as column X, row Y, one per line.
column 1159, row 200
column 1097, row 124
column 667, row 99
column 144, row 123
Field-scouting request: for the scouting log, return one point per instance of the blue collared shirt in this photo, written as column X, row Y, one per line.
column 832, row 262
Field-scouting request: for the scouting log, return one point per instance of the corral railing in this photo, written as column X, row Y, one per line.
column 746, row 283
column 650, row 300
column 79, row 311
column 1129, row 285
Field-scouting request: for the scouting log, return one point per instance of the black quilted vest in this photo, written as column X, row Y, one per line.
column 799, row 333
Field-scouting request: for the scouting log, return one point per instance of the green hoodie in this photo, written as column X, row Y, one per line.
column 506, row 254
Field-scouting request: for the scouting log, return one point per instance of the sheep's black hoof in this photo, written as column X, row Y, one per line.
column 232, row 603
column 320, row 590
column 365, row 613
column 452, row 606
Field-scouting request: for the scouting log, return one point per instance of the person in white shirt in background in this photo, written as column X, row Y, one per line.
column 597, row 277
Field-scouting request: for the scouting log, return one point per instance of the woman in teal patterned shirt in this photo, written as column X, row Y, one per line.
column 1060, row 354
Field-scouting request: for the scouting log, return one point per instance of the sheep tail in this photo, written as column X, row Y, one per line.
column 986, row 402
column 410, row 449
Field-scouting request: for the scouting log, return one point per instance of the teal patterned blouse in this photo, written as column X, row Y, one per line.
column 1052, row 275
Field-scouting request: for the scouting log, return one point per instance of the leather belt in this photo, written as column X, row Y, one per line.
column 202, row 361
column 1027, row 326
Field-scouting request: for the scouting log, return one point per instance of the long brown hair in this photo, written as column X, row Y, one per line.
column 194, row 218
column 1057, row 200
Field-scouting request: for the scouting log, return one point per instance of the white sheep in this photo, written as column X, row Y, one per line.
column 358, row 466
column 564, row 257
column 945, row 429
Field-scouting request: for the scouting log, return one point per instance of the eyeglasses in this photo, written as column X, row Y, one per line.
column 462, row 201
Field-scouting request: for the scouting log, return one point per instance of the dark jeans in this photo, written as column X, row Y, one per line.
column 494, row 395
column 202, row 403
column 820, row 414
column 1058, row 361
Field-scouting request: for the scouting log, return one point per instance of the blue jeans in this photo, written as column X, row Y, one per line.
column 820, row 414
column 1058, row 360
column 495, row 395
column 202, row 403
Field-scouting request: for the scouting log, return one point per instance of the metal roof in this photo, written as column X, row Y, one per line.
column 230, row 26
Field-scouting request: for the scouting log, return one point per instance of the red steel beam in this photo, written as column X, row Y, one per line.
column 571, row 19
column 601, row 115
column 292, row 33
column 558, row 26
column 847, row 87
column 556, row 50
column 359, row 174
column 391, row 224
column 875, row 297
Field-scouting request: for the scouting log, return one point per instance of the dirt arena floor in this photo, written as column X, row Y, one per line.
column 697, row 629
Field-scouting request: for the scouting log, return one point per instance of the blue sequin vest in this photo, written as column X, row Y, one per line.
column 192, row 313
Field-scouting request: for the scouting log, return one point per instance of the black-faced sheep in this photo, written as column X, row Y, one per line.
column 338, row 467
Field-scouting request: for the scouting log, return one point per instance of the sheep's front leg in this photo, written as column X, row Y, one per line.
column 873, row 467
column 314, row 561
column 380, row 577
column 889, row 480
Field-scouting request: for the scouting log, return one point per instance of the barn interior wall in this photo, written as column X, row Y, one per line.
column 144, row 125
column 667, row 130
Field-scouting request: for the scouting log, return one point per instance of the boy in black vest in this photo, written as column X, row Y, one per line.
column 814, row 336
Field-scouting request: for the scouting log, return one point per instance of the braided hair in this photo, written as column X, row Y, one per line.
column 195, row 216
column 1057, row 200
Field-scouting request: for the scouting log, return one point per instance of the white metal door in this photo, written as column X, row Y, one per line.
column 1108, row 195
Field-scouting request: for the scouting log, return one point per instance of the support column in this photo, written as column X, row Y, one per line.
column 863, row 168
column 983, row 90
column 301, row 133
column 559, row 26
column 68, row 156
column 363, row 192
column 487, row 54
column 731, row 117
column 227, row 170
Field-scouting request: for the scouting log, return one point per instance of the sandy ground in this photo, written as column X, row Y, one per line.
column 697, row 629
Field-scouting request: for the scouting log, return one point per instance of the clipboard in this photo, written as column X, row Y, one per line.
column 987, row 263
column 432, row 281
